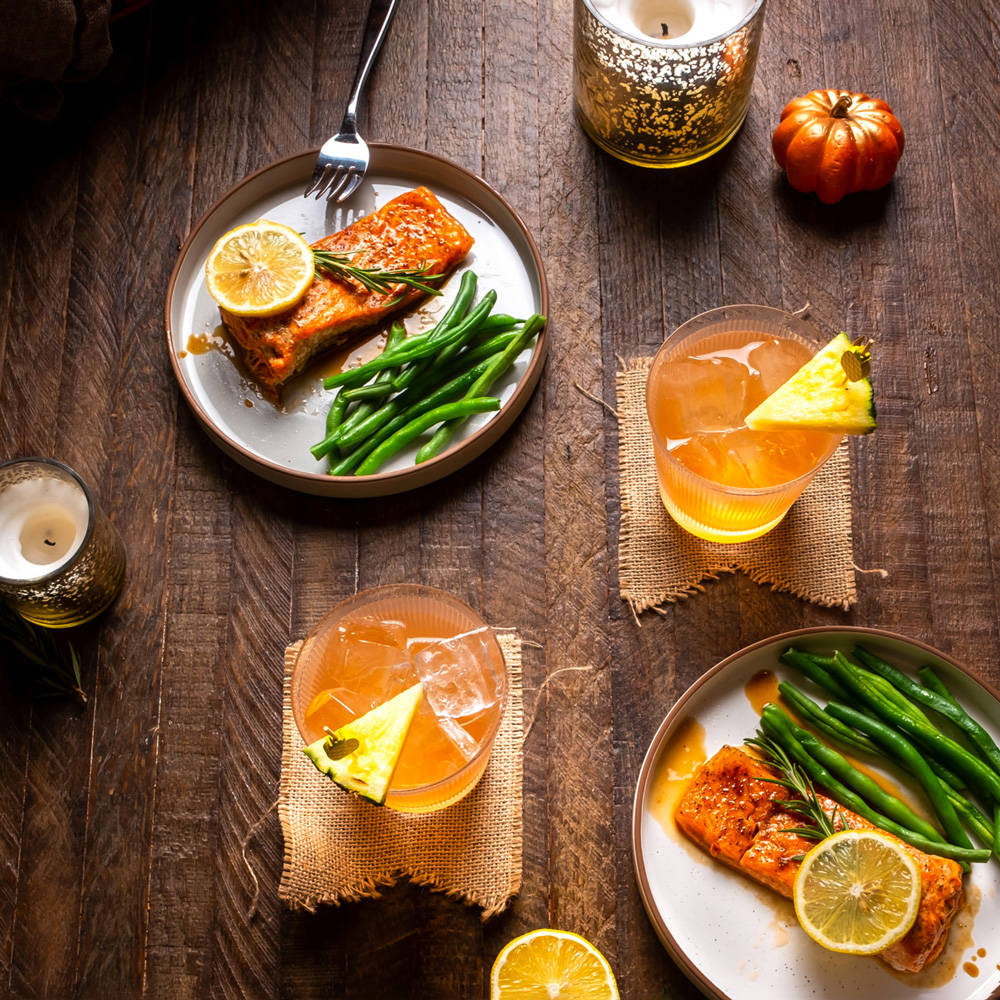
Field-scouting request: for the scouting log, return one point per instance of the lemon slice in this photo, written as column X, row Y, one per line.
column 857, row 892
column 362, row 755
column 259, row 269
column 548, row 964
column 830, row 392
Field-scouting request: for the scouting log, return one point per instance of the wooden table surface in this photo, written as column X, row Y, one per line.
column 121, row 822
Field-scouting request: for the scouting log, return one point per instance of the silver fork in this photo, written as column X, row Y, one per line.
column 343, row 160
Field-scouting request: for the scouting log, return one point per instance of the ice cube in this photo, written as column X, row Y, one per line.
column 698, row 395
column 372, row 666
column 464, row 743
column 457, row 673
column 713, row 458
column 336, row 706
column 370, row 629
column 775, row 362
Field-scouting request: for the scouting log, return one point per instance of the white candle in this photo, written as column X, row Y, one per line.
column 42, row 524
column 686, row 22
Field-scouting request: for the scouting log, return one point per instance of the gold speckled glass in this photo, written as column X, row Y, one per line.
column 84, row 586
column 661, row 103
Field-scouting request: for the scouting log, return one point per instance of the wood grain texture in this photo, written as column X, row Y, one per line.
column 122, row 823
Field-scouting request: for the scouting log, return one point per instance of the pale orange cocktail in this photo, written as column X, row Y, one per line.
column 379, row 643
column 718, row 479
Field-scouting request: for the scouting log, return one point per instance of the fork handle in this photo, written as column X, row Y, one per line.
column 380, row 15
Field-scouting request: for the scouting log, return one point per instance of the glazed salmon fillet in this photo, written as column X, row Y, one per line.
column 412, row 230
column 731, row 813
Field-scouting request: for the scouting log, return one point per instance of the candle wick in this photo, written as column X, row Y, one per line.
column 665, row 30
column 48, row 541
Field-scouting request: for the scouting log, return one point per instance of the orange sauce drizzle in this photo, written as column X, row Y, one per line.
column 760, row 689
column 351, row 355
column 678, row 762
column 217, row 340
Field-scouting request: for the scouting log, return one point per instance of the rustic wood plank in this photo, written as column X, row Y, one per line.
column 15, row 714
column 51, row 825
column 969, row 84
column 951, row 481
column 135, row 490
column 578, row 706
column 246, row 937
column 513, row 509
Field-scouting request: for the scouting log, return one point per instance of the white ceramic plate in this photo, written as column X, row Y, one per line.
column 275, row 442
column 740, row 941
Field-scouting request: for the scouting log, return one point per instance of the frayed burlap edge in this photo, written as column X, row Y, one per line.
column 708, row 561
column 502, row 780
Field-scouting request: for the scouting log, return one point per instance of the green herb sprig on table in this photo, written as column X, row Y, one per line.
column 372, row 278
column 49, row 668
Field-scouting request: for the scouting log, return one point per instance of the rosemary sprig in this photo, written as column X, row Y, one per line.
column 50, row 669
column 373, row 279
column 821, row 823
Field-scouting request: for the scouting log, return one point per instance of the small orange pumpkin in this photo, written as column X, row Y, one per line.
column 834, row 142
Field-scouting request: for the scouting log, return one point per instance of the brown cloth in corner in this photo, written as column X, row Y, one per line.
column 339, row 847
column 810, row 554
column 45, row 42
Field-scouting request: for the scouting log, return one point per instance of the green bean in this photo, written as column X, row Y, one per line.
column 335, row 415
column 419, row 369
column 972, row 818
column 945, row 706
column 934, row 683
column 497, row 323
column 414, row 348
column 984, row 781
column 902, row 750
column 776, row 728
column 834, row 728
column 498, row 366
column 402, row 437
column 397, row 333
column 412, row 403
column 374, row 390
column 458, row 308
column 873, row 793
column 417, row 404
column 813, row 713
column 809, row 665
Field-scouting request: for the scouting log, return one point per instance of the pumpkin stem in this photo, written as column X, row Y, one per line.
column 839, row 110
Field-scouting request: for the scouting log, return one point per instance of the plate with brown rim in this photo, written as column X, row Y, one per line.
column 737, row 940
column 274, row 441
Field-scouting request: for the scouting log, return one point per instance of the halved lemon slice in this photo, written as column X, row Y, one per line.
column 857, row 892
column 362, row 755
column 259, row 269
column 549, row 964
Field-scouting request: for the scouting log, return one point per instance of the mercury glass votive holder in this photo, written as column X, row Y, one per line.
column 61, row 561
column 658, row 102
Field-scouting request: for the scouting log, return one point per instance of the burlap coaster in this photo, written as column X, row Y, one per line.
column 339, row 848
column 809, row 554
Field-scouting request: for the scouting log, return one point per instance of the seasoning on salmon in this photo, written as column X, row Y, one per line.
column 413, row 230
column 729, row 811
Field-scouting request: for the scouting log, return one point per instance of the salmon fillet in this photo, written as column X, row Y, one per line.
column 730, row 812
column 412, row 230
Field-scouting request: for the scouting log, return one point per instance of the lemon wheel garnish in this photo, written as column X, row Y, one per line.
column 549, row 964
column 259, row 269
column 857, row 892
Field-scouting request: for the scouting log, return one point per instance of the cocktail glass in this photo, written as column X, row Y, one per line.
column 717, row 479
column 378, row 643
